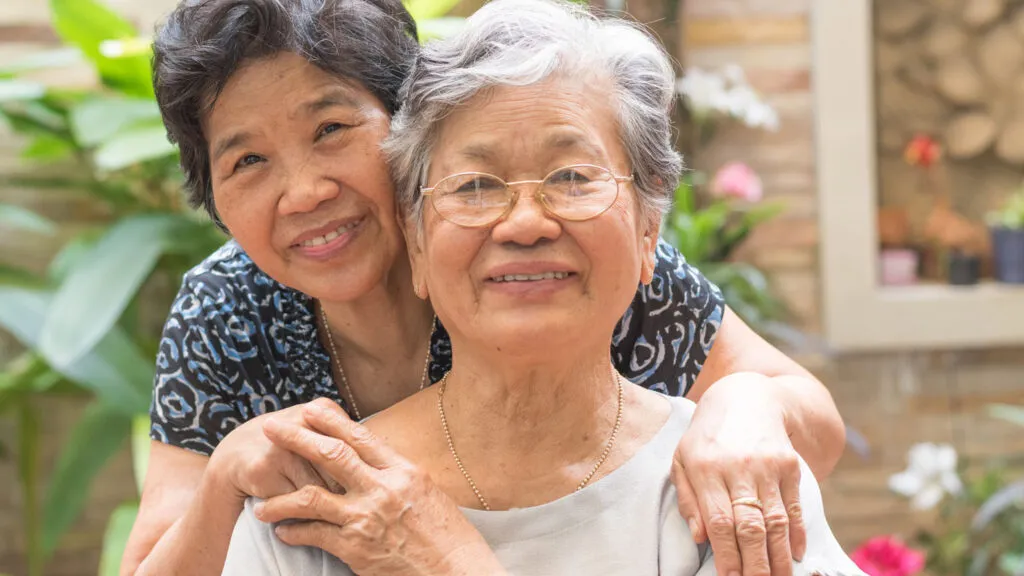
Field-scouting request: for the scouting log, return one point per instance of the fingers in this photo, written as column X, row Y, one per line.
column 776, row 522
column 328, row 418
column 308, row 503
column 331, row 455
column 689, row 507
column 790, row 488
column 317, row 534
column 717, row 511
column 751, row 532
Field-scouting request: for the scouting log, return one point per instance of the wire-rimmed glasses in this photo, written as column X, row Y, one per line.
column 475, row 199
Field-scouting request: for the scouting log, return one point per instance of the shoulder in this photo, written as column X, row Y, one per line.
column 256, row 551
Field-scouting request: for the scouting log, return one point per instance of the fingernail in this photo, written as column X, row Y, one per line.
column 693, row 526
column 258, row 509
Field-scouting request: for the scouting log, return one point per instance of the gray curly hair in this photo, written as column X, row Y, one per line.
column 523, row 42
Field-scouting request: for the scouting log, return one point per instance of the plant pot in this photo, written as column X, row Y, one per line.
column 963, row 269
column 1008, row 254
column 899, row 266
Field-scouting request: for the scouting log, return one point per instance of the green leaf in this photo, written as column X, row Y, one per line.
column 13, row 276
column 434, row 28
column 97, row 120
column 97, row 437
column 114, row 370
column 1007, row 412
column 35, row 118
column 134, row 146
column 14, row 90
column 140, row 448
column 24, row 219
column 71, row 254
column 115, row 539
column 57, row 58
column 427, row 9
column 86, row 24
column 47, row 148
column 98, row 289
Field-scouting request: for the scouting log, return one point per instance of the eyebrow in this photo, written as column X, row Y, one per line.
column 485, row 152
column 333, row 98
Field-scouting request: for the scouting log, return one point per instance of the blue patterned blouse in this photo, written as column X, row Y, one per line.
column 238, row 344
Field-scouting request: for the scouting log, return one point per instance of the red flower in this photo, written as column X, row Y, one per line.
column 887, row 556
column 922, row 151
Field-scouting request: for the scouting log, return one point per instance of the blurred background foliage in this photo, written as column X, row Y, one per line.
column 82, row 322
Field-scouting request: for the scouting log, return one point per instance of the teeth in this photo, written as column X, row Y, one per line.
column 321, row 240
column 531, row 277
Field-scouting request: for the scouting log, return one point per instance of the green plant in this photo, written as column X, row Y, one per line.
column 83, row 322
column 1011, row 215
column 707, row 232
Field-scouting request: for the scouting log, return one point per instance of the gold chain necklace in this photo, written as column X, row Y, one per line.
column 465, row 474
column 341, row 371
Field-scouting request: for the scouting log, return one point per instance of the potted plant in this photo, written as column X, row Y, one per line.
column 1007, row 229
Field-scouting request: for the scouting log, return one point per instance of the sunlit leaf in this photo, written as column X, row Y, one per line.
column 18, row 218
column 134, row 146
column 70, row 254
column 98, row 435
column 86, row 24
column 1008, row 413
column 435, row 28
column 95, row 121
column 1010, row 496
column 119, row 527
column 114, row 369
column 428, row 9
column 47, row 148
column 140, row 448
column 99, row 287
column 56, row 58
column 14, row 90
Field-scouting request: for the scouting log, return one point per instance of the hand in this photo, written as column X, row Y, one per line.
column 247, row 463
column 391, row 519
column 737, row 447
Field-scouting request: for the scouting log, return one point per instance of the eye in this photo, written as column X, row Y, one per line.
column 330, row 128
column 568, row 176
column 248, row 160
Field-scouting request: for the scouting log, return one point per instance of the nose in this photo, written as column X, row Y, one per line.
column 527, row 223
column 306, row 188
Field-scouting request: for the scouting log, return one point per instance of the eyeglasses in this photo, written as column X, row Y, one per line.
column 476, row 199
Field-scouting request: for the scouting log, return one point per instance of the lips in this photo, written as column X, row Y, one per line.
column 325, row 234
column 531, row 277
column 529, row 272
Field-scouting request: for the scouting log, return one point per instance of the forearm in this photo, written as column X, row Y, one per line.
column 812, row 421
column 197, row 543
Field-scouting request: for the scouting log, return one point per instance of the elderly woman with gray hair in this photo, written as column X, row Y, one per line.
column 533, row 162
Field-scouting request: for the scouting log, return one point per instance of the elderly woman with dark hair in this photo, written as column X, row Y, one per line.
column 533, row 160
column 279, row 108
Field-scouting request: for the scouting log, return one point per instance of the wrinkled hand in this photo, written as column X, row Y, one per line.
column 249, row 464
column 391, row 519
column 737, row 447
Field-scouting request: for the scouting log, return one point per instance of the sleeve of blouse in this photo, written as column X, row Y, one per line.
column 667, row 333
column 192, row 405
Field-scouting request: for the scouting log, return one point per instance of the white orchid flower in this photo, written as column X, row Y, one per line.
column 930, row 475
column 726, row 93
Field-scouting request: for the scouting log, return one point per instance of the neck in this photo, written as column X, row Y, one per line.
column 529, row 408
column 388, row 320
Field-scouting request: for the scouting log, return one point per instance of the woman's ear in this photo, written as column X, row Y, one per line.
column 412, row 231
column 649, row 245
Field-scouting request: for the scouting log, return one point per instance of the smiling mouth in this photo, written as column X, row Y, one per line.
column 321, row 240
column 531, row 277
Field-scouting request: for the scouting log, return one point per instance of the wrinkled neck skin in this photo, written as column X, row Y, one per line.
column 387, row 322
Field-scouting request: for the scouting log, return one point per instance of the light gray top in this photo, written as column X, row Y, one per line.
column 625, row 524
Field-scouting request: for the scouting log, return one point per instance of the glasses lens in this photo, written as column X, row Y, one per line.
column 579, row 192
column 471, row 199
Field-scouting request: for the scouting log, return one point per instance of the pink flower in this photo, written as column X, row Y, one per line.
column 888, row 556
column 737, row 180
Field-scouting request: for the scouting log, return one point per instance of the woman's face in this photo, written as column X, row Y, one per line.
column 524, row 133
column 299, row 179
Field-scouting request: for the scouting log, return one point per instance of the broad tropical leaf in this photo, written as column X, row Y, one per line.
column 86, row 24
column 15, row 90
column 16, row 217
column 97, row 120
column 133, row 146
column 98, row 435
column 114, row 370
column 116, row 538
column 101, row 284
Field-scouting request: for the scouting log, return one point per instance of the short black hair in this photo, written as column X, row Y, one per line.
column 203, row 42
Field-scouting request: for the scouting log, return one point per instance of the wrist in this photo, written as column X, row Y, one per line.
column 765, row 395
